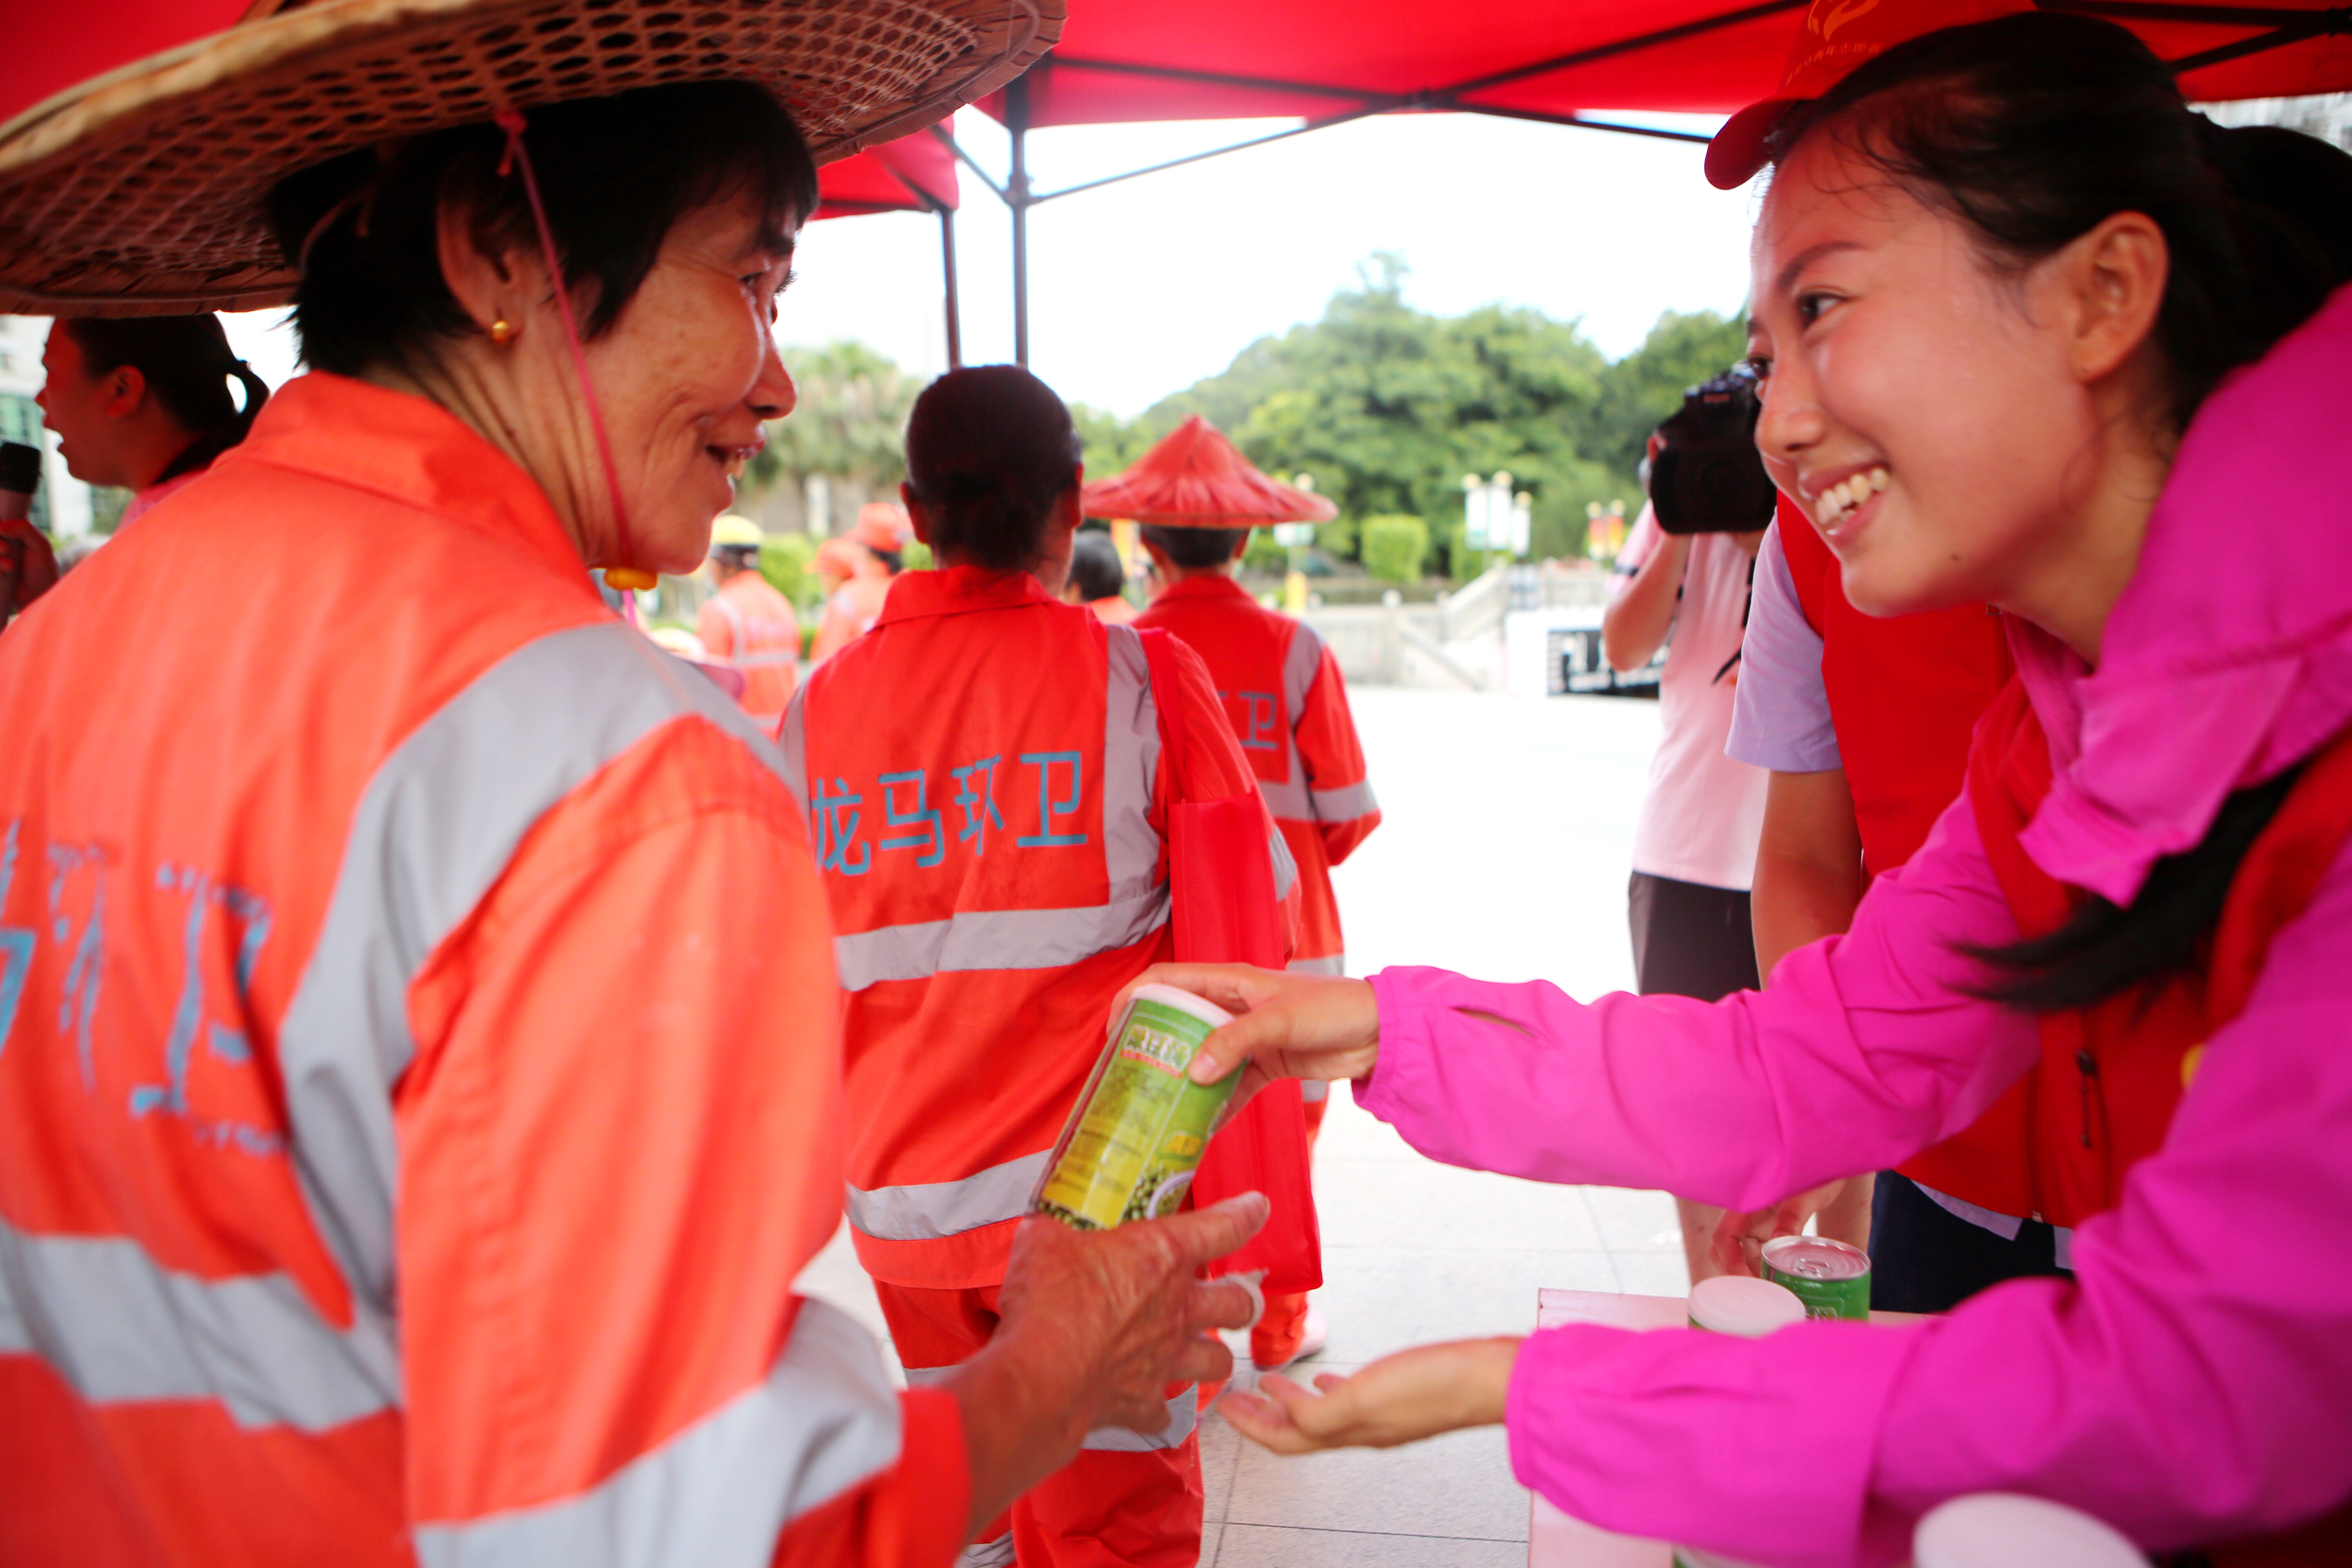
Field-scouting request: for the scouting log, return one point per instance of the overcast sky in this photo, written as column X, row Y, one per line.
column 1140, row 289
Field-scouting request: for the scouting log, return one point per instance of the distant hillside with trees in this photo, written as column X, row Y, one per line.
column 1388, row 408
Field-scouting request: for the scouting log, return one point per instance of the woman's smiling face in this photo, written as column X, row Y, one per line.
column 687, row 377
column 1924, row 408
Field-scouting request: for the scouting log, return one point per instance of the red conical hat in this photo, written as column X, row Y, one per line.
column 1197, row 479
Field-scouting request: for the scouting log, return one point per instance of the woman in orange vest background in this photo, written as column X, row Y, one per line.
column 874, row 552
column 986, row 789
column 419, row 1055
column 2129, row 320
column 144, row 402
column 748, row 627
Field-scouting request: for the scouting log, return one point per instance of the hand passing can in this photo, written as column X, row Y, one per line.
column 1832, row 1279
column 1132, row 1145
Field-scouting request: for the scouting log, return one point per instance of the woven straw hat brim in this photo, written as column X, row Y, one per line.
column 144, row 191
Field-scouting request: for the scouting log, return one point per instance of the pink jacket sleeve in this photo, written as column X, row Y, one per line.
column 2194, row 1385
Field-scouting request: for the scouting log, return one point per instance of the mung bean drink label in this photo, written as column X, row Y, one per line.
column 1131, row 1147
column 1831, row 1277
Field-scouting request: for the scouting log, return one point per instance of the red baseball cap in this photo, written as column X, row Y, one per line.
column 1838, row 36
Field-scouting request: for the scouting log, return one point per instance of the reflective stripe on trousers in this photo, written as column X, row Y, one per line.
column 719, row 1491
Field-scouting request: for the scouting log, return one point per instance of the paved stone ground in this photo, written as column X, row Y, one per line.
column 1504, row 854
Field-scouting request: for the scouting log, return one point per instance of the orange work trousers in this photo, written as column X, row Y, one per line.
column 1106, row 1509
column 1275, row 1337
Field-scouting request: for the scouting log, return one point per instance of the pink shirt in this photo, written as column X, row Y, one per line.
column 2194, row 1384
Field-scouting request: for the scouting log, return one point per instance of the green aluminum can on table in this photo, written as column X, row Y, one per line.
column 1135, row 1139
column 1831, row 1277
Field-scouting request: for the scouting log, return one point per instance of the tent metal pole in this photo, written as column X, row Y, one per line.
column 948, row 272
column 1016, row 196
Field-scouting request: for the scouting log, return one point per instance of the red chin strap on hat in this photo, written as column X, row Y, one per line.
column 623, row 574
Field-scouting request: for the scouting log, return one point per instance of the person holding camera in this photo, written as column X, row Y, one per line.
column 1695, row 841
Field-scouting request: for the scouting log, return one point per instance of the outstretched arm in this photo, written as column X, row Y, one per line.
column 1868, row 1048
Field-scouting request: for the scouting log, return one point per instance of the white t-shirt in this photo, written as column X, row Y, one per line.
column 1704, row 812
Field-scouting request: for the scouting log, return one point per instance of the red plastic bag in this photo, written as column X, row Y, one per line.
column 1221, row 887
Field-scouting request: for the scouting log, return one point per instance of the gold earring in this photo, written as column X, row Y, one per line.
column 502, row 331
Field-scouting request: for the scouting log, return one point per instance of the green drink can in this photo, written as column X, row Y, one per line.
column 1831, row 1277
column 1132, row 1145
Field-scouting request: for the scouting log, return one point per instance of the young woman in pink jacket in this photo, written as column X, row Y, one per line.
column 2033, row 334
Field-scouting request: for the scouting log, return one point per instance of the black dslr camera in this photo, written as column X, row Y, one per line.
column 1707, row 476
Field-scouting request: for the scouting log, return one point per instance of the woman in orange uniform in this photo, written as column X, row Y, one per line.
column 873, row 554
column 996, row 859
column 380, row 1182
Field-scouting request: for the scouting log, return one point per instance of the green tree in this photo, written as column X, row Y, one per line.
column 1395, row 547
column 850, row 422
column 1389, row 407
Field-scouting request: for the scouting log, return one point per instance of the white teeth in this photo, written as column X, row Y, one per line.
column 1844, row 496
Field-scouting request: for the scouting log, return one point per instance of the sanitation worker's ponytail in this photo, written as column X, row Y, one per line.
column 990, row 451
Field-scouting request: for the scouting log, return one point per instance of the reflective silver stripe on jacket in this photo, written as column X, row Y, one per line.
column 1293, row 799
column 121, row 1328
column 1345, row 805
column 435, row 827
column 1331, row 964
column 1034, row 938
column 717, row 1494
column 1183, row 1414
column 927, row 1210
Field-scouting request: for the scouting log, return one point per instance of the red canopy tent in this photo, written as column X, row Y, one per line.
column 51, row 48
column 1328, row 62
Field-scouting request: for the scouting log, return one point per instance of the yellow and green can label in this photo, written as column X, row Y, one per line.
column 1130, row 1151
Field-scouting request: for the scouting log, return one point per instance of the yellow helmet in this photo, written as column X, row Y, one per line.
column 732, row 532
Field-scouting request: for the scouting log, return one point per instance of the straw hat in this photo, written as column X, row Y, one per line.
column 143, row 190
column 1195, row 478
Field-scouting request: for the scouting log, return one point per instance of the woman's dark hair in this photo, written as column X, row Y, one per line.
column 893, row 560
column 2032, row 130
column 1195, row 549
column 187, row 365
column 615, row 174
column 990, row 450
column 1095, row 569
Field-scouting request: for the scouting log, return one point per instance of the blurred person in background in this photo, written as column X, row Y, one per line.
column 142, row 403
column 28, row 567
column 995, row 857
column 1096, row 578
column 1695, row 841
column 874, row 552
column 746, row 626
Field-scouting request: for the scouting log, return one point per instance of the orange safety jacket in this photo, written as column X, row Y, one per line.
column 986, row 794
column 1288, row 707
column 418, row 1060
column 746, row 624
